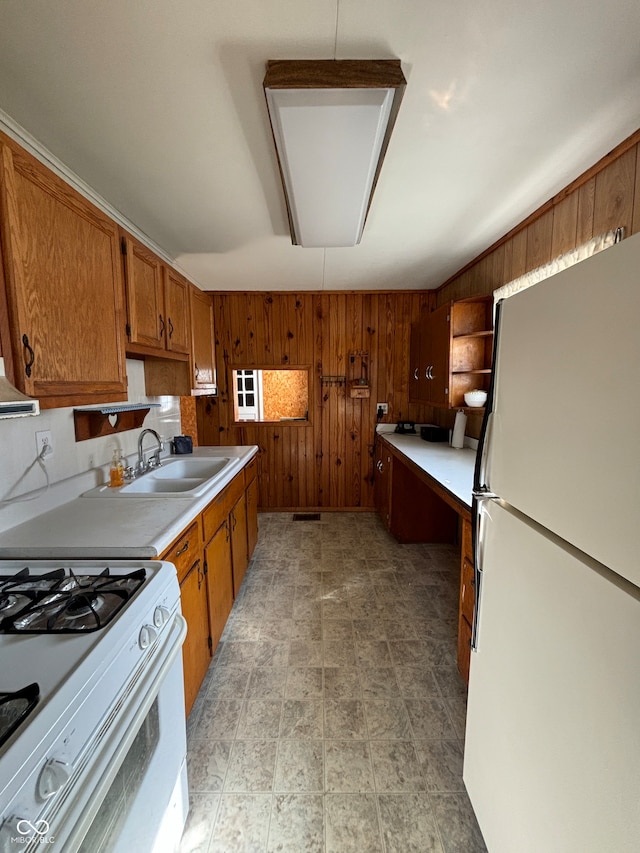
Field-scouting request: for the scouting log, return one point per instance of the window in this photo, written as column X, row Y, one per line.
column 274, row 394
column 248, row 395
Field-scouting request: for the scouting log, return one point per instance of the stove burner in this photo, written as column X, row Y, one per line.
column 15, row 707
column 65, row 603
column 82, row 604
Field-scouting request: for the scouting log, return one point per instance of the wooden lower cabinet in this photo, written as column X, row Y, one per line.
column 382, row 462
column 217, row 556
column 409, row 507
column 210, row 576
column 186, row 555
column 195, row 651
column 467, row 601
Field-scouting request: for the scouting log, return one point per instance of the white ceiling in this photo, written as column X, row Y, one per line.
column 158, row 105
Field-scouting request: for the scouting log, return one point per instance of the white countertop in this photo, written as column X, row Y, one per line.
column 115, row 528
column 452, row 468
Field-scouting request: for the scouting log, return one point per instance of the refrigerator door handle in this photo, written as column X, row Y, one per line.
column 480, row 475
column 478, row 512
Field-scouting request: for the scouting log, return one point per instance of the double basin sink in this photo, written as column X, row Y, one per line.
column 185, row 477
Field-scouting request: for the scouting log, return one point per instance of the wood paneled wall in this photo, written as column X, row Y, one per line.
column 606, row 196
column 328, row 462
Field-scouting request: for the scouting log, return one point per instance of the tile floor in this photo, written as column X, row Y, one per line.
column 331, row 719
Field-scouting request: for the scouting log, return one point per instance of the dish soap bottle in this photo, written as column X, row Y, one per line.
column 116, row 472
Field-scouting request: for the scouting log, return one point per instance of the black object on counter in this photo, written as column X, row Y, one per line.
column 182, row 444
column 434, row 433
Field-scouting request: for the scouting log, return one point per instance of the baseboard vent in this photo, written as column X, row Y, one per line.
column 306, row 516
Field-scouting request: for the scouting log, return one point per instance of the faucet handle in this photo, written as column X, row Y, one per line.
column 154, row 460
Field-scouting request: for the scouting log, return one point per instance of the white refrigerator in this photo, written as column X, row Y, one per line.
column 552, row 751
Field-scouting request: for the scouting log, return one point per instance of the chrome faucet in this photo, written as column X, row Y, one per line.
column 154, row 459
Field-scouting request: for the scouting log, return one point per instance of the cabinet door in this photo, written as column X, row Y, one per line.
column 204, row 371
column 382, row 482
column 64, row 342
column 176, row 304
column 195, row 651
column 439, row 337
column 219, row 582
column 238, row 521
column 414, row 364
column 252, row 517
column 145, row 304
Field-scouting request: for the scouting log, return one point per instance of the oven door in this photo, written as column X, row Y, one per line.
column 139, row 799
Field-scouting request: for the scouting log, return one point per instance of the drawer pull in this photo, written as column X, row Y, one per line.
column 184, row 548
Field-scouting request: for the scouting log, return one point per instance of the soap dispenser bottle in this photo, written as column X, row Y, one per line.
column 116, row 472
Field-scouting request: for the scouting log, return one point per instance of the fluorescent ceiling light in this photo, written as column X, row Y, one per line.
column 331, row 123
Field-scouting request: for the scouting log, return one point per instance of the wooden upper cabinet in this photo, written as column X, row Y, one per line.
column 144, row 287
column 450, row 352
column 157, row 304
column 176, row 303
column 429, row 358
column 202, row 349
column 63, row 342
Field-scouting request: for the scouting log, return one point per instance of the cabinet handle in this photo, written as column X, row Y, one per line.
column 184, row 548
column 226, row 532
column 233, row 520
column 30, row 355
column 200, row 574
column 415, row 374
column 170, row 327
column 162, row 325
column 197, row 370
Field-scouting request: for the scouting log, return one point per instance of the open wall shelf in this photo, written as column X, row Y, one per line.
column 97, row 421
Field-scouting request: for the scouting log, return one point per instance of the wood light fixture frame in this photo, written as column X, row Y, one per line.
column 331, row 121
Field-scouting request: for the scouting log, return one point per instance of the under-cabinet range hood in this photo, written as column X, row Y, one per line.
column 13, row 403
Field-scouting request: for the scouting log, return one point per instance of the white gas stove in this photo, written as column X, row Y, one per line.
column 92, row 746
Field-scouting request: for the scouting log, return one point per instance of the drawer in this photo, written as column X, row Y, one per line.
column 467, row 590
column 250, row 471
column 184, row 551
column 220, row 507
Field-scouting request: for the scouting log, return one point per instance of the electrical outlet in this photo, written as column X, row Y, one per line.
column 44, row 440
column 384, row 407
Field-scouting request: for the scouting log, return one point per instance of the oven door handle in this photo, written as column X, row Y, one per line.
column 149, row 695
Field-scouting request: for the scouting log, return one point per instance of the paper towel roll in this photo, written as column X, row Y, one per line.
column 457, row 438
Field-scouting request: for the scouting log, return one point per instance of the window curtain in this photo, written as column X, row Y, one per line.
column 595, row 245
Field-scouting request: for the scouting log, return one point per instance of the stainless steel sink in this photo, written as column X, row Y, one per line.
column 175, row 478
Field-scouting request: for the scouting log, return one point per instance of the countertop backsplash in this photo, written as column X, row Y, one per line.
column 22, row 476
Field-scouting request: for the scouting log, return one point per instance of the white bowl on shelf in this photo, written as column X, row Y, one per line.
column 475, row 399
